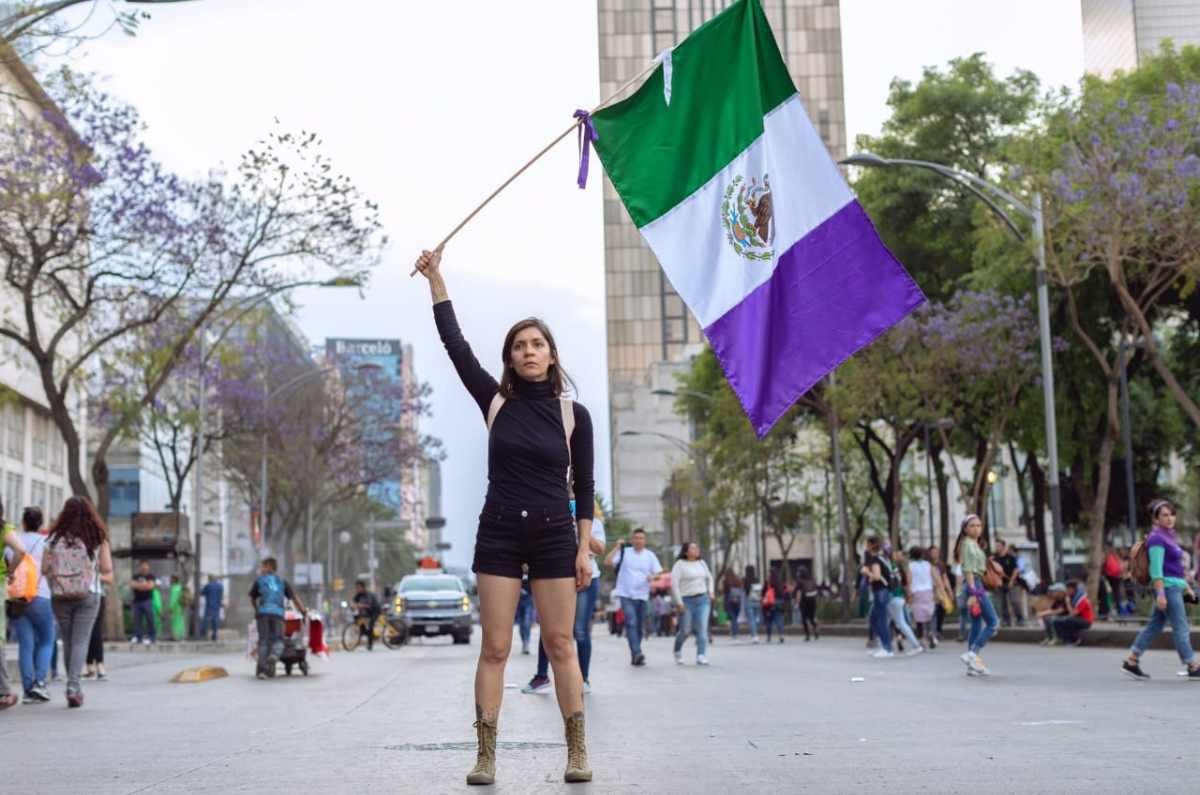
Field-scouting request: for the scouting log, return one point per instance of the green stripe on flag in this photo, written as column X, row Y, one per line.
column 726, row 76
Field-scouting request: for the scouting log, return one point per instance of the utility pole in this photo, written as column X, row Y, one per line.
column 843, row 516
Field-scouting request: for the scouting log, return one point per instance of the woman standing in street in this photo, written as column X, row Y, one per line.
column 735, row 597
column 692, row 591
column 807, row 591
column 539, row 458
column 942, row 589
column 10, row 559
column 926, row 590
column 35, row 628
column 78, row 563
column 878, row 573
column 978, row 603
column 772, row 605
column 1168, row 579
column 753, row 602
column 901, row 592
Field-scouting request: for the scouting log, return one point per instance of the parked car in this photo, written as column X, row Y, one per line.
column 434, row 604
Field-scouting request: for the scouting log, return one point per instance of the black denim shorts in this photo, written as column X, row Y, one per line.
column 543, row 538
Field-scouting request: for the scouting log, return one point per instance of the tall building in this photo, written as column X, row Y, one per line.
column 651, row 334
column 403, row 492
column 1120, row 34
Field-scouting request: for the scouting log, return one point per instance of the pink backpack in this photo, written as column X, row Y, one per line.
column 70, row 571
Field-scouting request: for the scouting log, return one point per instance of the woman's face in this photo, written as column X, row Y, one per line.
column 1165, row 517
column 974, row 528
column 693, row 552
column 530, row 355
column 934, row 554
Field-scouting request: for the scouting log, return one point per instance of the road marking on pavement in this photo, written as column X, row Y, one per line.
column 1047, row 722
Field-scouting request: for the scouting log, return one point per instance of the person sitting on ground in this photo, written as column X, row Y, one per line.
column 1070, row 628
column 1050, row 607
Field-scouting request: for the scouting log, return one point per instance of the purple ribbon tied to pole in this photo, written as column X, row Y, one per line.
column 587, row 134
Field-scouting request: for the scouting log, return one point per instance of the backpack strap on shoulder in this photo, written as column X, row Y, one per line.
column 494, row 409
column 567, row 407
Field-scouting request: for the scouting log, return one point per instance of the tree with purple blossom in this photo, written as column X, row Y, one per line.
column 99, row 243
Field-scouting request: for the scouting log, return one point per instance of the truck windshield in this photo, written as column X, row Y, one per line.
column 431, row 584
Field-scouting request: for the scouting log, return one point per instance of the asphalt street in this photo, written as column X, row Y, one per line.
column 782, row 718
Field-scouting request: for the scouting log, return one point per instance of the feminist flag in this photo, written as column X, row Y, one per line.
column 725, row 177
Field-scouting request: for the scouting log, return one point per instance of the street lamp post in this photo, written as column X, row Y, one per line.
column 989, row 194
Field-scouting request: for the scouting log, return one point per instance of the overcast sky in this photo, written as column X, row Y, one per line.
column 429, row 106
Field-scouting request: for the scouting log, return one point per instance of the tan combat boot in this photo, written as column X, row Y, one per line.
column 577, row 759
column 484, row 771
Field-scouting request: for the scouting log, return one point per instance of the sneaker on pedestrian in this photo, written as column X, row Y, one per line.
column 639, row 660
column 701, row 659
column 914, row 651
column 1054, row 642
column 754, row 641
column 41, row 692
column 679, row 658
column 260, row 675
column 587, row 687
column 30, row 698
column 525, row 649
column 146, row 641
column 1134, row 669
column 967, row 657
column 978, row 668
column 538, row 684
column 1192, row 674
column 883, row 654
column 101, row 674
column 74, row 700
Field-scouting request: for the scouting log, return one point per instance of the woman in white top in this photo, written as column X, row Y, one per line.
column 692, row 591
column 925, row 590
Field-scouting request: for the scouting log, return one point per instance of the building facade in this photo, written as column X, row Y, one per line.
column 404, row 491
column 652, row 337
column 1120, row 34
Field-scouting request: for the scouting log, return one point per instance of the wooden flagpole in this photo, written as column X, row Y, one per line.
column 538, row 157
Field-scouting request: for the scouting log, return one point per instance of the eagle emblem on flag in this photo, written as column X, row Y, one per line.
column 749, row 218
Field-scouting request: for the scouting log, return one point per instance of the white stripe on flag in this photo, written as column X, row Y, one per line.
column 806, row 189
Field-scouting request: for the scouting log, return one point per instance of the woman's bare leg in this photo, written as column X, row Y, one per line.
column 498, row 597
column 555, row 600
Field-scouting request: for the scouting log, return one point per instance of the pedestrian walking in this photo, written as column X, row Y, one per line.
column 753, row 603
column 983, row 615
column 95, row 653
column 539, row 458
column 925, row 590
column 177, row 609
column 1009, row 592
column 12, row 552
column 35, row 627
column 269, row 596
column 144, row 585
column 772, row 606
column 808, row 592
column 878, row 573
column 78, row 564
column 692, row 588
column 944, row 590
column 524, row 619
column 637, row 567
column 214, row 595
column 735, row 595
column 898, row 604
column 1168, row 579
column 585, row 608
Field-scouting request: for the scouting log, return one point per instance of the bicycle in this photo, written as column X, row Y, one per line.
column 391, row 637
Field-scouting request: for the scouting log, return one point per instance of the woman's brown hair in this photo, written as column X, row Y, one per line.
column 557, row 375
column 79, row 519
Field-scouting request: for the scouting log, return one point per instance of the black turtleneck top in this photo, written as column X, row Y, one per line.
column 527, row 451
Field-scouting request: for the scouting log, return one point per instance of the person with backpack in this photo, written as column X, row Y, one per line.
column 878, row 574
column 692, row 590
column 1158, row 561
column 974, row 561
column 268, row 595
column 35, row 627
column 10, row 560
column 540, row 457
column 78, row 563
column 636, row 566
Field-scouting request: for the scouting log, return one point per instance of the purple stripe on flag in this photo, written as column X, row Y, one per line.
column 832, row 293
